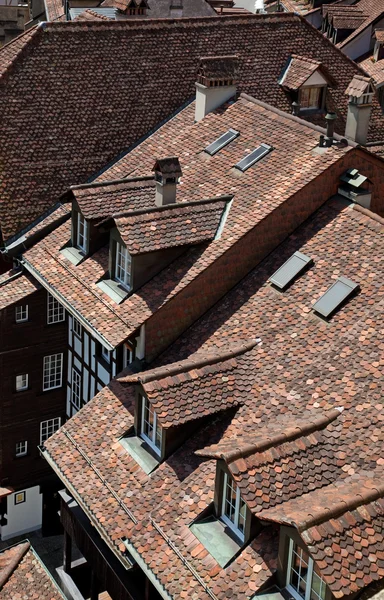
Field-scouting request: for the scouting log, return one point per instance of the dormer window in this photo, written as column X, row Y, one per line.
column 303, row 575
column 123, row 265
column 310, row 98
column 150, row 430
column 233, row 507
column 82, row 233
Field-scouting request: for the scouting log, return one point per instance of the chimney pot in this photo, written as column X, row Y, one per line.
column 330, row 118
column 167, row 174
column 295, row 108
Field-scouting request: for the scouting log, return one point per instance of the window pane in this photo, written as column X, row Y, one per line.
column 299, row 570
column 123, row 265
column 76, row 389
column 55, row 311
column 317, row 587
column 230, row 500
column 242, row 515
column 52, row 371
column 47, row 428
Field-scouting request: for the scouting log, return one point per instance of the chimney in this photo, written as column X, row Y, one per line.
column 295, row 108
column 216, row 83
column 360, row 92
column 330, row 118
column 167, row 174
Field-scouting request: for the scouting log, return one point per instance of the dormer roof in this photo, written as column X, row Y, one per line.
column 299, row 70
column 194, row 388
column 172, row 225
column 99, row 201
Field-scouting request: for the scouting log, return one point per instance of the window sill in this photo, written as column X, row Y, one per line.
column 140, row 452
column 113, row 289
column 72, row 254
column 217, row 539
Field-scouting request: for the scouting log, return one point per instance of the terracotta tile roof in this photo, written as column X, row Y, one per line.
column 347, row 21
column 298, row 71
column 22, row 575
column 99, row 201
column 372, row 9
column 301, row 370
column 15, row 287
column 91, row 15
column 275, row 178
column 160, row 9
column 54, row 10
column 219, row 68
column 193, row 389
column 48, row 158
column 5, row 492
column 375, row 70
column 358, row 86
column 171, row 225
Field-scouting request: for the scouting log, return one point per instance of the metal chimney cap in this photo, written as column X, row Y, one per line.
column 331, row 116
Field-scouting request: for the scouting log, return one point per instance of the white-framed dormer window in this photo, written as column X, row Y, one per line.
column 123, row 265
column 150, row 430
column 48, row 428
column 76, row 389
column 233, row 507
column 21, row 448
column 55, row 310
column 303, row 576
column 310, row 97
column 21, row 382
column 52, row 371
column 77, row 328
column 21, row 313
column 82, row 233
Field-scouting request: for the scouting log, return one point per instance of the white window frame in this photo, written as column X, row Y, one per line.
column 122, row 265
column 309, row 575
column 233, row 525
column 77, row 327
column 24, row 382
column 151, row 441
column 55, row 310
column 128, row 355
column 76, row 389
column 82, row 233
column 56, row 378
column 48, row 428
column 21, row 448
column 21, row 313
column 20, row 497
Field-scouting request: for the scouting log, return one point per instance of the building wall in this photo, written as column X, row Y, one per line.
column 24, row 517
column 12, row 21
column 359, row 45
column 23, row 346
column 168, row 323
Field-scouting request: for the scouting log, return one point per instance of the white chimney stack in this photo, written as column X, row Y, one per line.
column 167, row 174
column 216, row 83
column 360, row 92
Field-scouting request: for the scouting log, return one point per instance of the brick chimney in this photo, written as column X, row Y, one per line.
column 360, row 92
column 216, row 83
column 167, row 174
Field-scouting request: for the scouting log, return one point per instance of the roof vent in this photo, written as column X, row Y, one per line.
column 167, row 175
column 216, row 83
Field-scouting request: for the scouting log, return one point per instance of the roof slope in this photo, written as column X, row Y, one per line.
column 113, row 82
column 302, row 369
column 22, row 575
column 275, row 179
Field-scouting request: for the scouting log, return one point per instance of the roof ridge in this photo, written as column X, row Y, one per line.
column 97, row 184
column 6, row 573
column 187, row 365
column 172, row 206
column 289, row 435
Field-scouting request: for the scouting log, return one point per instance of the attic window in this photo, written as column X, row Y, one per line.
column 222, row 141
column 338, row 293
column 303, row 575
column 150, row 430
column 123, row 265
column 288, row 272
column 310, row 98
column 82, row 233
column 253, row 157
column 233, row 507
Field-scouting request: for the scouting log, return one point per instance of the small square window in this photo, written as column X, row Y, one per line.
column 55, row 311
column 21, row 313
column 48, row 428
column 21, row 382
column 21, row 448
column 77, row 328
column 20, row 497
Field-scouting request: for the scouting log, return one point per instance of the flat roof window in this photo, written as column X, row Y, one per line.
column 222, row 141
column 288, row 272
column 253, row 157
column 335, row 296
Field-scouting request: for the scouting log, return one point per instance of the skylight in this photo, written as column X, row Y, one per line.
column 290, row 270
column 252, row 158
column 222, row 141
column 335, row 296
